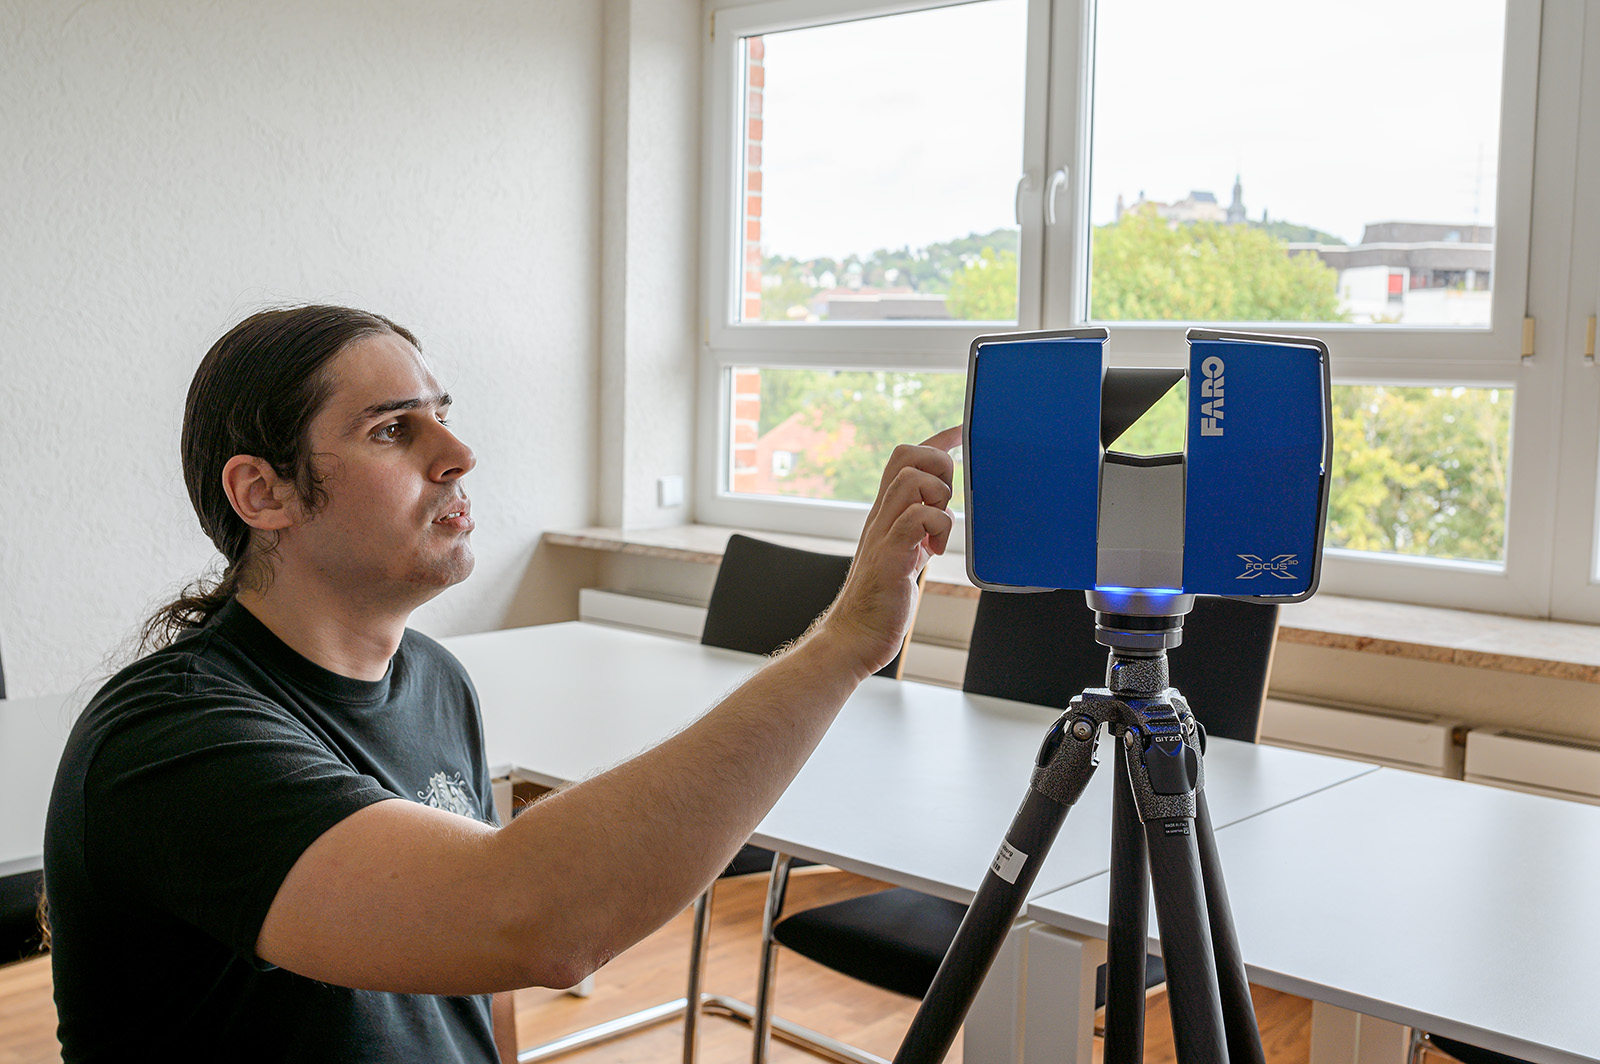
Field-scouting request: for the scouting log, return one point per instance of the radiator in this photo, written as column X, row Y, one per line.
column 1400, row 740
column 628, row 610
column 924, row 662
column 1540, row 764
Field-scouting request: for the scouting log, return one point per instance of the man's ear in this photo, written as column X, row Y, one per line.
column 259, row 496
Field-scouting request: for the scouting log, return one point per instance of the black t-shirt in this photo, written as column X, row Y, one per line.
column 190, row 785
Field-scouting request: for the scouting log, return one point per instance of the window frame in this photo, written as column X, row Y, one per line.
column 1053, row 260
column 1575, row 145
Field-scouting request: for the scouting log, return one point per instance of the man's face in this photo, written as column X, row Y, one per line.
column 395, row 522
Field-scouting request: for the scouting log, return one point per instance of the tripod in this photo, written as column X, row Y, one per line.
column 1161, row 836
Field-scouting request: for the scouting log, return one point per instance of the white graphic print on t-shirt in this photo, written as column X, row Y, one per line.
column 446, row 793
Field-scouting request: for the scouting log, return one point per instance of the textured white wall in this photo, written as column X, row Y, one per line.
column 649, row 272
column 167, row 166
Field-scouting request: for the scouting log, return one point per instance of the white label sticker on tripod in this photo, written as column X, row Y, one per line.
column 1008, row 862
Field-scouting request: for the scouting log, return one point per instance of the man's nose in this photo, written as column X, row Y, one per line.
column 455, row 459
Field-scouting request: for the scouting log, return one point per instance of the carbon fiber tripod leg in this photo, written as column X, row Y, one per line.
column 1129, row 920
column 1066, row 761
column 1197, row 1026
column 1238, row 1010
column 981, row 934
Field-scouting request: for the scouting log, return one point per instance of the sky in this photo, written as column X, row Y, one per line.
column 907, row 129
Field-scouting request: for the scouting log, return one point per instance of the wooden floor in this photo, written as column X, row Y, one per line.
column 653, row 972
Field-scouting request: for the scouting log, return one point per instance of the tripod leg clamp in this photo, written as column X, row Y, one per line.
column 1166, row 770
column 1068, row 757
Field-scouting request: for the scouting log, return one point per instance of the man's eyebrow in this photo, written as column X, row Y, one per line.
column 390, row 406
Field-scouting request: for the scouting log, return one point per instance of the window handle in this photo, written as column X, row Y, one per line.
column 1025, row 183
column 1057, row 181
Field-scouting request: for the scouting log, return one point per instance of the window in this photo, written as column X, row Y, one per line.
column 888, row 180
column 1258, row 185
column 854, row 206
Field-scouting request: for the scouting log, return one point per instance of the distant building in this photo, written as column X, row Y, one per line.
column 868, row 304
column 1197, row 206
column 779, row 460
column 1236, row 208
column 1421, row 273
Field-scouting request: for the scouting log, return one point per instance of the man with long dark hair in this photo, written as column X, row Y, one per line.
column 271, row 837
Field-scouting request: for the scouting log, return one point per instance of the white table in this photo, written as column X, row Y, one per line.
column 1460, row 909
column 33, row 732
column 913, row 784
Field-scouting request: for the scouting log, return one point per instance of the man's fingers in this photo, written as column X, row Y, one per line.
column 932, row 460
column 909, row 487
column 935, row 460
column 944, row 439
column 920, row 522
column 917, row 478
column 911, row 484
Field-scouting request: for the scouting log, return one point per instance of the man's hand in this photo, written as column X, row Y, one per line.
column 909, row 523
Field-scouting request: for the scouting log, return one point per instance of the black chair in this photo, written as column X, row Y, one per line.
column 1037, row 648
column 766, row 596
column 20, row 935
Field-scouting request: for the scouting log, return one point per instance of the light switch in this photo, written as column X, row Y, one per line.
column 669, row 491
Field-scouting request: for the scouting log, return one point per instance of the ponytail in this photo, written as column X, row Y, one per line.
column 193, row 607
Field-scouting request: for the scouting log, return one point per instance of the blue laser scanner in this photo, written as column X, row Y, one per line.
column 1239, row 513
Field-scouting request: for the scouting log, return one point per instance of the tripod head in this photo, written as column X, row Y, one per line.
column 1138, row 627
column 1138, row 619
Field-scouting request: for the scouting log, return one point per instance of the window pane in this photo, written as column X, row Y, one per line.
column 1421, row 471
column 880, row 161
column 1321, row 161
column 827, row 434
column 1416, row 471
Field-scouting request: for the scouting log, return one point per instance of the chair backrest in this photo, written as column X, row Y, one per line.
column 767, row 595
column 1224, row 663
column 1040, row 648
column 1035, row 648
column 19, row 915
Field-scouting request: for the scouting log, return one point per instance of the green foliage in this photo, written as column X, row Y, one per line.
column 1144, row 269
column 1420, row 471
column 1161, row 429
column 985, row 289
column 783, row 391
column 886, row 409
column 779, row 301
column 1290, row 233
column 929, row 270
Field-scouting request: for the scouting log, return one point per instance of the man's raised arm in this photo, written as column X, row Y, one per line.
column 402, row 897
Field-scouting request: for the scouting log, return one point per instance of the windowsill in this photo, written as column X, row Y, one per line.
column 1554, row 649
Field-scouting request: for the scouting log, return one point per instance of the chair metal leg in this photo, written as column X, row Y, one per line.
column 667, row 1010
column 604, row 1032
column 761, row 1025
column 699, row 946
column 710, row 1004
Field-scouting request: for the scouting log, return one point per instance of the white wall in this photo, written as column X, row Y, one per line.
column 650, row 273
column 167, row 166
